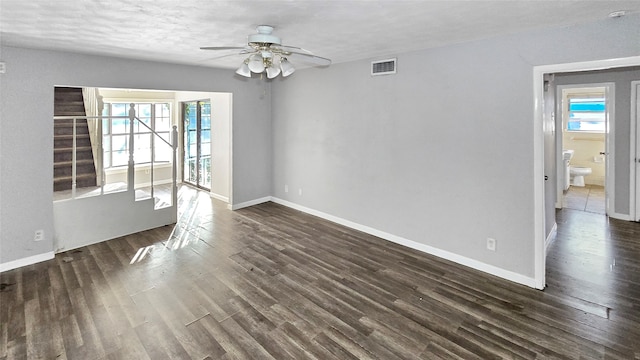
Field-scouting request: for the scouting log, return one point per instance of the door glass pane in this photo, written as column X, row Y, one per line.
column 205, row 144
column 197, row 143
column 190, row 117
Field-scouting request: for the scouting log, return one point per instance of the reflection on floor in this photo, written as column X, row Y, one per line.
column 589, row 198
column 269, row 282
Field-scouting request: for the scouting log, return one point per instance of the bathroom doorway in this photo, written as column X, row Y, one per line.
column 586, row 121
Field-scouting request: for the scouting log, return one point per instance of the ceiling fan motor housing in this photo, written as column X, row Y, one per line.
column 263, row 36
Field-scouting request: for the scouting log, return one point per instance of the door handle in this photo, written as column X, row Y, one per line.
column 546, row 177
column 602, row 153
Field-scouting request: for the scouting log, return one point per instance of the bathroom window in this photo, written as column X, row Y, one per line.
column 587, row 113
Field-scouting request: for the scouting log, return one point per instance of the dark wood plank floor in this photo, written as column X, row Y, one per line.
column 270, row 282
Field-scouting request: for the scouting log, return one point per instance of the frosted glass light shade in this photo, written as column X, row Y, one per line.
column 287, row 68
column 256, row 65
column 272, row 71
column 243, row 70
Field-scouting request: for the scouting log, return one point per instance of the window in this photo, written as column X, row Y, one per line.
column 587, row 113
column 156, row 116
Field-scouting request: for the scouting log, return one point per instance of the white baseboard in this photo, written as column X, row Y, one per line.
column 475, row 264
column 625, row 217
column 551, row 238
column 26, row 261
column 219, row 197
column 249, row 203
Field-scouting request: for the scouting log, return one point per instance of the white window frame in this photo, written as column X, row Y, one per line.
column 142, row 130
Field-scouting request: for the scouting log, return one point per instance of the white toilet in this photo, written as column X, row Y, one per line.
column 577, row 174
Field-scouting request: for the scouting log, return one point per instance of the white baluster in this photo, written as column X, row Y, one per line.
column 174, row 173
column 73, row 161
column 131, row 168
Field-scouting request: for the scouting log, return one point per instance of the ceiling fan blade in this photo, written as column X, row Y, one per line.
column 244, row 52
column 294, row 49
column 309, row 58
column 222, row 47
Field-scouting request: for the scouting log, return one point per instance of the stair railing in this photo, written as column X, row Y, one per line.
column 131, row 163
column 131, row 166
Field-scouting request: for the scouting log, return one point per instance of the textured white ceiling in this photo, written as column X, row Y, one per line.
column 173, row 31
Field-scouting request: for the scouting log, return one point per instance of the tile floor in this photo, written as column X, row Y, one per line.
column 589, row 198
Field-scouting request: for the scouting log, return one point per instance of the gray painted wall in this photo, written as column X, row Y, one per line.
column 26, row 131
column 622, row 79
column 440, row 153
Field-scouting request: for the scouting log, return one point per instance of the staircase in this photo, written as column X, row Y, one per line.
column 69, row 102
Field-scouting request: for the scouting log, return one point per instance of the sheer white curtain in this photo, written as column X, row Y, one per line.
column 93, row 108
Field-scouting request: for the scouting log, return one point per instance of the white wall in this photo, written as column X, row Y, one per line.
column 440, row 154
column 93, row 219
column 26, row 131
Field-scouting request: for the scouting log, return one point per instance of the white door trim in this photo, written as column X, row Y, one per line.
column 538, row 148
column 634, row 156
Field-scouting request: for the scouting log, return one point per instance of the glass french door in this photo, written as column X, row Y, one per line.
column 197, row 143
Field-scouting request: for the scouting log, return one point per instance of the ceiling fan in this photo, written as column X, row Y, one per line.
column 267, row 54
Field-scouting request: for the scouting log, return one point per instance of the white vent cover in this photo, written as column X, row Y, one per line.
column 383, row 67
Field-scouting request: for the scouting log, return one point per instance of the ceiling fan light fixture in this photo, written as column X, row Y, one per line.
column 244, row 70
column 287, row 68
column 266, row 54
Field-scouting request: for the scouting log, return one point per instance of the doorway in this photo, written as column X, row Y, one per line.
column 540, row 210
column 196, row 166
column 586, row 122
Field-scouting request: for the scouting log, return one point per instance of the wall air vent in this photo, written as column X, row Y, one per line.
column 383, row 67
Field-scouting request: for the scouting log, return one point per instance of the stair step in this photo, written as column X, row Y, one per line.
column 78, row 148
column 69, row 131
column 69, row 136
column 69, row 163
column 69, row 113
column 66, row 141
column 72, row 102
column 78, row 177
column 69, row 102
column 67, row 93
column 69, row 122
column 69, row 96
column 65, row 168
column 80, row 183
column 81, row 128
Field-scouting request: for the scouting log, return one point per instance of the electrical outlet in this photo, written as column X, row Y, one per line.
column 3, row 67
column 491, row 244
column 39, row 235
column 286, row 188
